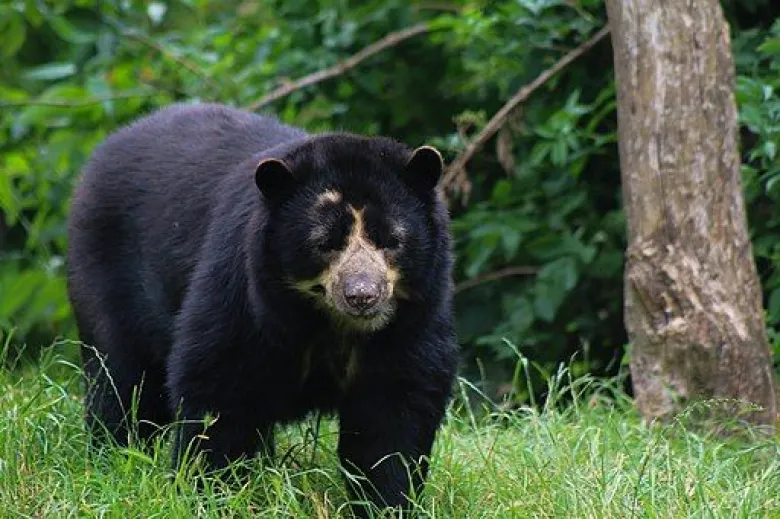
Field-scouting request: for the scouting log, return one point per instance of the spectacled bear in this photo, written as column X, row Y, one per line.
column 222, row 264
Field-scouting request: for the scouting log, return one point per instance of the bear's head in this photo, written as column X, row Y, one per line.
column 351, row 223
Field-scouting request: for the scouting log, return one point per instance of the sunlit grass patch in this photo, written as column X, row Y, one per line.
column 591, row 457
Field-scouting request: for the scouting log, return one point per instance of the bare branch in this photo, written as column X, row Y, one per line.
column 456, row 173
column 392, row 39
column 184, row 62
column 493, row 276
column 77, row 103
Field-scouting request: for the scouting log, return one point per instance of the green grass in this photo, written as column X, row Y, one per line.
column 592, row 458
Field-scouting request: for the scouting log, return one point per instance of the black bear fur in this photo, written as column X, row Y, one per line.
column 181, row 263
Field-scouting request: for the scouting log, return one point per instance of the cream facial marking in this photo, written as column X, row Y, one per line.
column 359, row 255
column 358, row 284
column 329, row 196
column 309, row 286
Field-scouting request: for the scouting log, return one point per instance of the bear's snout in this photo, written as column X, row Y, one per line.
column 362, row 292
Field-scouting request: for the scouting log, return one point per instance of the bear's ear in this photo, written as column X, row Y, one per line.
column 274, row 179
column 424, row 169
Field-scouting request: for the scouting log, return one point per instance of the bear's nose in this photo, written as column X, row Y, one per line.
column 361, row 292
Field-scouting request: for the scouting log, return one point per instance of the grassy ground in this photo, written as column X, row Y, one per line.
column 589, row 459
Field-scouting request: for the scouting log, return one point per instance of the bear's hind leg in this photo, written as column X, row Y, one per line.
column 123, row 400
column 122, row 350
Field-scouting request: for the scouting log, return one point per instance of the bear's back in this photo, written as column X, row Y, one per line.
column 188, row 143
column 146, row 195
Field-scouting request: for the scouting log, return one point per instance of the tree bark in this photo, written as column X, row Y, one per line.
column 693, row 308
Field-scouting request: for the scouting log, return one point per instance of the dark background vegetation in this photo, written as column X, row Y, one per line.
column 545, row 192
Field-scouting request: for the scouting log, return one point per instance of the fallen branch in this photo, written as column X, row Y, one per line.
column 392, row 39
column 493, row 276
column 456, row 173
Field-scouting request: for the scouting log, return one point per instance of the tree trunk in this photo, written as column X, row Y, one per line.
column 693, row 308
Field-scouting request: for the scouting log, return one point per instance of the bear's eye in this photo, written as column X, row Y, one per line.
column 386, row 234
column 326, row 247
column 326, row 244
column 390, row 242
column 391, row 239
column 331, row 241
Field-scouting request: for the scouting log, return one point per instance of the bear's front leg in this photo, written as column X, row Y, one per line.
column 386, row 436
column 228, row 438
column 213, row 372
column 215, row 415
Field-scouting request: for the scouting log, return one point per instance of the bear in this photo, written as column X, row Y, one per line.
column 225, row 267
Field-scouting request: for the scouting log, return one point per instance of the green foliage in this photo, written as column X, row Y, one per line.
column 548, row 200
column 593, row 458
column 757, row 54
column 539, row 243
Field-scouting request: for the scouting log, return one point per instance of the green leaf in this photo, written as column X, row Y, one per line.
column 771, row 184
column 546, row 303
column 8, row 203
column 51, row 71
column 521, row 315
column 553, row 283
column 68, row 32
column 510, row 240
column 774, row 305
column 12, row 33
column 770, row 46
column 479, row 260
column 559, row 153
column 539, row 153
column 770, row 149
column 19, row 291
column 502, row 192
column 156, row 12
column 768, row 91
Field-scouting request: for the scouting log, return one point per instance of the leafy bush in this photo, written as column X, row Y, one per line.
column 757, row 54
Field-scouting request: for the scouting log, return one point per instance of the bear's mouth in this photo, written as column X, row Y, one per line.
column 367, row 321
column 366, row 315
